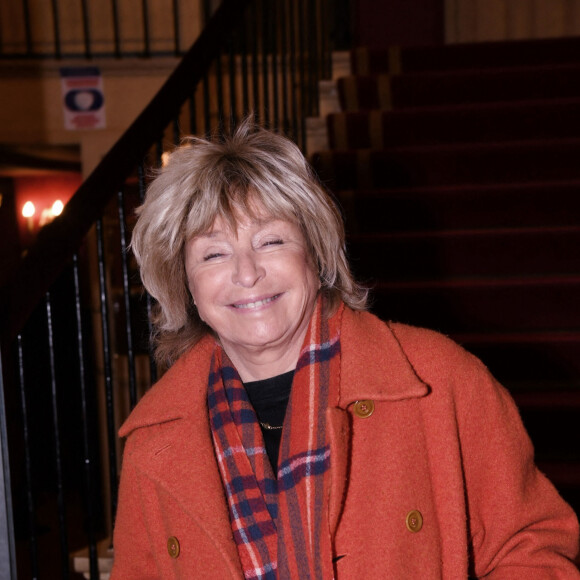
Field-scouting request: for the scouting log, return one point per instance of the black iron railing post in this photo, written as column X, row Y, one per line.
column 7, row 538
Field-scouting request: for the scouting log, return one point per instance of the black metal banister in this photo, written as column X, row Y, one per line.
column 57, row 241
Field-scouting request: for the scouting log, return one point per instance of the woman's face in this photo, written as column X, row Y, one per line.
column 255, row 286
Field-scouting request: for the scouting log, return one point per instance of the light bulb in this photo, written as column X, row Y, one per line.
column 28, row 209
column 57, row 207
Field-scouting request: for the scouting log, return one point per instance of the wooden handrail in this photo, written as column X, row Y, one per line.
column 58, row 241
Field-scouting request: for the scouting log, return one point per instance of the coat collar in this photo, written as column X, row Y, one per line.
column 180, row 393
column 374, row 366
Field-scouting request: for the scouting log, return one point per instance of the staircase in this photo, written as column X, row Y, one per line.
column 458, row 169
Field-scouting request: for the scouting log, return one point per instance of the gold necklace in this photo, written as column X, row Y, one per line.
column 270, row 427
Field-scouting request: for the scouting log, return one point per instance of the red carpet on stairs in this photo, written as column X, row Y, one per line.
column 483, row 55
column 458, row 171
column 425, row 89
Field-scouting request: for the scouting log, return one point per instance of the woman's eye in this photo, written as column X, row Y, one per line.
column 212, row 256
column 276, row 242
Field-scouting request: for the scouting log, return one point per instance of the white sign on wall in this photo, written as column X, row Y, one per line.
column 83, row 98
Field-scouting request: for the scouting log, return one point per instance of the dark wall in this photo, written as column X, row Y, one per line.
column 383, row 23
column 9, row 244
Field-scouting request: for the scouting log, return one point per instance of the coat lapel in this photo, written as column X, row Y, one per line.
column 374, row 366
column 177, row 450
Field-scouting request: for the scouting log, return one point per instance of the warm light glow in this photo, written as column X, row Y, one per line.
column 57, row 207
column 164, row 158
column 28, row 209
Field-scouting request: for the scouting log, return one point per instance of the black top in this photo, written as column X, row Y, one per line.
column 269, row 397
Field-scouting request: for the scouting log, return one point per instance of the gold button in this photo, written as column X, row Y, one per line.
column 364, row 409
column 173, row 546
column 414, row 521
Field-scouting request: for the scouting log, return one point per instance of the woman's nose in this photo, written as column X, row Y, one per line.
column 247, row 270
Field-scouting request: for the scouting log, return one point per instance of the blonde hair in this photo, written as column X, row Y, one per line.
column 204, row 179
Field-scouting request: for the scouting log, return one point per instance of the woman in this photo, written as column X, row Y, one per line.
column 296, row 435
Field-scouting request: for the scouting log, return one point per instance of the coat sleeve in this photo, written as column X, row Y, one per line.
column 132, row 553
column 518, row 524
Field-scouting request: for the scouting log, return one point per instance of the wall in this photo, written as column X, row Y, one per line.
column 381, row 23
column 32, row 95
column 487, row 20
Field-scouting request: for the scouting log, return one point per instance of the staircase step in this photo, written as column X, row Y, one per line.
column 490, row 163
column 461, row 306
column 461, row 56
column 482, row 123
column 466, row 253
column 462, row 207
column 388, row 92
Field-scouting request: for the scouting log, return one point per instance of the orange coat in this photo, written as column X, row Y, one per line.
column 437, row 483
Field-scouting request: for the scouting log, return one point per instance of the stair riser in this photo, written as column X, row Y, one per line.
column 365, row 93
column 535, row 363
column 437, row 257
column 439, row 166
column 482, row 309
column 467, row 56
column 461, row 125
column 462, row 208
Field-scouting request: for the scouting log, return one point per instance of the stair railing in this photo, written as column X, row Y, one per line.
column 40, row 30
column 74, row 351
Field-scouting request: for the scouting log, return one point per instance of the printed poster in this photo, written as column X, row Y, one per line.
column 83, row 98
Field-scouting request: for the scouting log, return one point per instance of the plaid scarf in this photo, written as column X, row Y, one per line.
column 280, row 526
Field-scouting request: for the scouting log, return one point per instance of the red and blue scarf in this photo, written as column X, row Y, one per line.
column 279, row 524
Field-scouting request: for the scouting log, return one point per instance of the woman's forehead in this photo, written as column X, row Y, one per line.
column 242, row 221
column 252, row 212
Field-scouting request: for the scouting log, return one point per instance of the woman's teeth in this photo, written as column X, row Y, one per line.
column 256, row 304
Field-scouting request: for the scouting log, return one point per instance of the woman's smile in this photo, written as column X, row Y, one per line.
column 255, row 304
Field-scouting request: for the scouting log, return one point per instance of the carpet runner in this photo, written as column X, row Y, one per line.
column 458, row 171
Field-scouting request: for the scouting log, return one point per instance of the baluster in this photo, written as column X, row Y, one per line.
column 146, row 33
column 127, row 301
column 57, row 444
column 30, row 503
column 27, row 27
column 148, row 299
column 56, row 29
column 86, row 28
column 293, row 71
column 233, row 99
column 255, row 69
column 108, row 370
column 116, row 28
column 273, row 36
column 284, row 65
column 264, row 12
column 87, row 468
column 220, row 92
column 176, row 34
column 206, row 104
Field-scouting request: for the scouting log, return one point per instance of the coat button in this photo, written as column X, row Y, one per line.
column 414, row 521
column 364, row 408
column 173, row 546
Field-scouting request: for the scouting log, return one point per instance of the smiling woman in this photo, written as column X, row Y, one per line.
column 295, row 435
